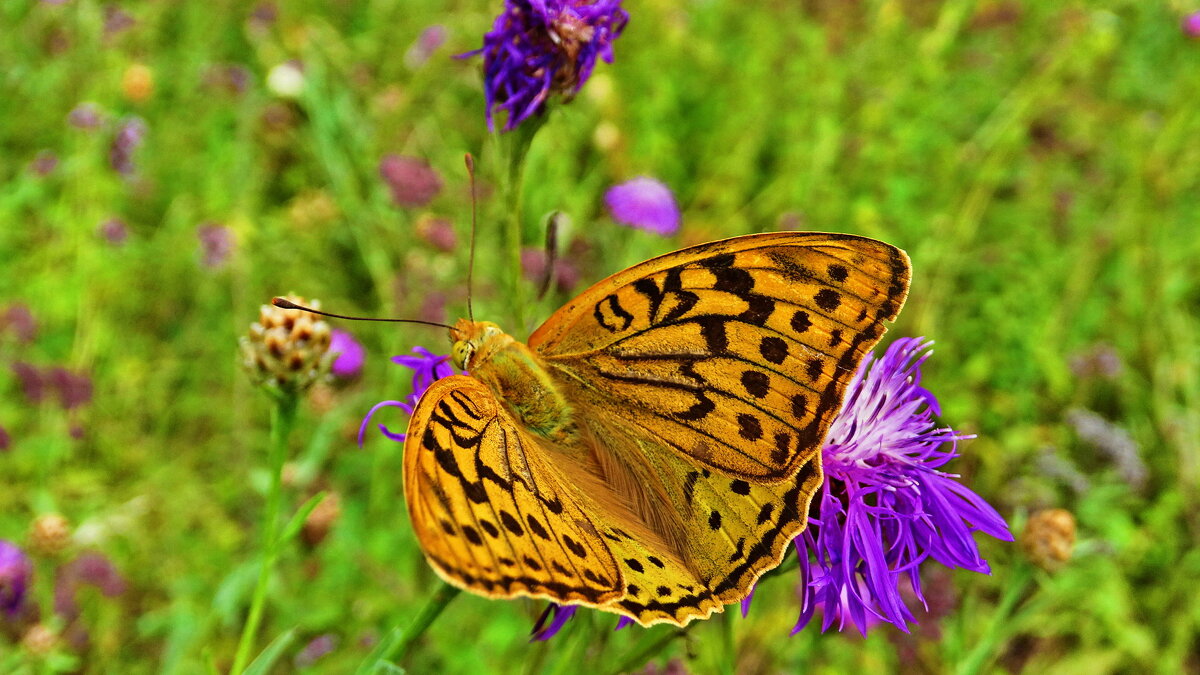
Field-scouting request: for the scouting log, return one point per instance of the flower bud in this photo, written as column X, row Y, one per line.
column 49, row 534
column 39, row 640
column 1049, row 538
column 287, row 349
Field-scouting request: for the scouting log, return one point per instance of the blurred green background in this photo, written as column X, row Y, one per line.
column 1039, row 162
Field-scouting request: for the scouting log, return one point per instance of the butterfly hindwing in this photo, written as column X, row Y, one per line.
column 490, row 515
column 736, row 352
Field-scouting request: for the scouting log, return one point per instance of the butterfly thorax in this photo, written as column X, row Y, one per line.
column 515, row 374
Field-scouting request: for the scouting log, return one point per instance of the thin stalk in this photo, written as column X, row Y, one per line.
column 517, row 143
column 283, row 418
column 400, row 641
column 1000, row 624
column 641, row 656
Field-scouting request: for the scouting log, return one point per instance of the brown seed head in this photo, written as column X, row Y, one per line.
column 49, row 534
column 39, row 640
column 287, row 348
column 1049, row 538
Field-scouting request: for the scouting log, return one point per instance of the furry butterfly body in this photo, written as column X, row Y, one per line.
column 655, row 445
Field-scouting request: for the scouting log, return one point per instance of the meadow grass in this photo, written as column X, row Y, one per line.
column 1038, row 161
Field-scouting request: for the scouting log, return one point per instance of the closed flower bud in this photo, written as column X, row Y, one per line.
column 287, row 349
column 39, row 640
column 49, row 534
column 322, row 518
column 1049, row 538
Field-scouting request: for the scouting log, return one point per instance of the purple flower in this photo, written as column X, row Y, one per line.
column 33, row 382
column 116, row 21
column 1191, row 25
column 541, row 47
column 18, row 319
column 216, row 244
column 129, row 136
column 74, row 389
column 533, row 266
column 15, row 573
column 85, row 116
column 44, row 163
column 885, row 507
column 89, row 569
column 427, row 368
column 5, row 440
column 114, row 231
column 558, row 616
column 412, row 181
column 315, row 649
column 1113, row 441
column 350, row 355
column 644, row 203
column 427, row 43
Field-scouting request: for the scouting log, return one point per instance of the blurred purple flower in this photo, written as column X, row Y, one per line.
column 89, row 569
column 262, row 17
column 315, row 649
column 533, row 265
column 114, row 231
column 86, row 115
column 541, row 47
column 1191, row 25
column 116, row 20
column 74, row 389
column 130, row 134
column 1101, row 360
column 1113, row 441
column 33, row 383
column 885, row 507
column 427, row 368
column 44, row 163
column 216, row 244
column 644, row 203
column 5, row 440
column 15, row 574
column 349, row 355
column 19, row 320
column 412, row 181
column 427, row 43
column 437, row 232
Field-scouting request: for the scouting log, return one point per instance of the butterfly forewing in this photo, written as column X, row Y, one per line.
column 736, row 352
column 488, row 512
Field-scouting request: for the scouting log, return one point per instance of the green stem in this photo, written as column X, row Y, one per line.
column 283, row 417
column 729, row 655
column 517, row 142
column 1000, row 624
column 398, row 643
column 641, row 656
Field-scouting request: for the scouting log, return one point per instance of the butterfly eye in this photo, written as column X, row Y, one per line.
column 461, row 353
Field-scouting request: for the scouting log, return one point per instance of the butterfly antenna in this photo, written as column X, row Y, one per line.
column 284, row 303
column 470, row 161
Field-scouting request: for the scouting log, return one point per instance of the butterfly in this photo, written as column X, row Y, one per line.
column 655, row 445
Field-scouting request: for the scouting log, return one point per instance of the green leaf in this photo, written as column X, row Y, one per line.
column 297, row 521
column 268, row 657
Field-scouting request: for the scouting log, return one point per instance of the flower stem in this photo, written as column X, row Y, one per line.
column 518, row 142
column 1001, row 621
column 283, row 417
column 399, row 642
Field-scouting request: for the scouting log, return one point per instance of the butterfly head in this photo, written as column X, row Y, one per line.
column 474, row 341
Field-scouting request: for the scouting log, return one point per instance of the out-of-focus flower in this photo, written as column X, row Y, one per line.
column 286, row 80
column 427, row 368
column 216, row 244
column 137, row 83
column 40, row 640
column 89, row 569
column 44, row 163
column 437, row 232
column 86, row 115
column 427, row 43
column 1191, row 25
column 74, row 389
column 33, row 383
column 348, row 355
column 1099, row 361
column 232, row 78
column 537, row 48
column 15, row 574
column 533, row 265
column 315, row 649
column 1049, row 538
column 130, row 134
column 1113, row 441
column 18, row 320
column 322, row 519
column 114, row 231
column 644, row 203
column 262, row 18
column 116, row 21
column 287, row 349
column 885, row 507
column 49, row 534
column 412, row 181
column 5, row 440
column 1061, row 470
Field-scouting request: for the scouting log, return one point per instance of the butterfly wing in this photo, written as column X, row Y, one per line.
column 736, row 353
column 490, row 514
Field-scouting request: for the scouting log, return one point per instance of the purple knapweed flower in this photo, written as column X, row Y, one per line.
column 427, row 368
column 89, row 569
column 412, row 181
column 15, row 573
column 130, row 134
column 644, row 203
column 348, row 362
column 74, row 389
column 18, row 320
column 86, row 115
column 315, row 649
column 33, row 381
column 114, row 231
column 541, row 47
column 44, row 163
column 1191, row 25
column 216, row 244
column 558, row 615
column 885, row 506
column 427, row 43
